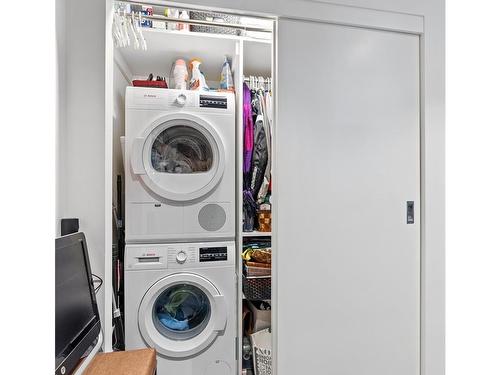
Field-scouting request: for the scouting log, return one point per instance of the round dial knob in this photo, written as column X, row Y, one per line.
column 181, row 256
column 181, row 99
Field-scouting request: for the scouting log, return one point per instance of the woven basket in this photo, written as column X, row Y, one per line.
column 209, row 16
column 256, row 271
column 257, row 288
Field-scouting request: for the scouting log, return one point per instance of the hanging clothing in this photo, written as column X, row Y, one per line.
column 262, row 193
column 247, row 135
column 249, row 211
column 257, row 131
column 260, row 150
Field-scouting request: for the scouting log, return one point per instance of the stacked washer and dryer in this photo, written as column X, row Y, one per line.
column 180, row 280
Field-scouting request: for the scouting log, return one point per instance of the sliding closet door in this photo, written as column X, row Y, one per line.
column 347, row 250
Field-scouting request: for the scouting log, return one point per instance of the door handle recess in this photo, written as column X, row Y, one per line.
column 136, row 157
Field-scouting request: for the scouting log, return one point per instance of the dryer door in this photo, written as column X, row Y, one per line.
column 180, row 157
column 181, row 315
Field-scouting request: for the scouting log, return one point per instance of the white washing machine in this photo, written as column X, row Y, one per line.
column 180, row 299
column 180, row 165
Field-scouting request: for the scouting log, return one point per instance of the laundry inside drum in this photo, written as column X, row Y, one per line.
column 181, row 149
column 181, row 311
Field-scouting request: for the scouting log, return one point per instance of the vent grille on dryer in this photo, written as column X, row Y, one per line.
column 212, row 217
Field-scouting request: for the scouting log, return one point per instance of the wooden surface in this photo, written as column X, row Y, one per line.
column 133, row 362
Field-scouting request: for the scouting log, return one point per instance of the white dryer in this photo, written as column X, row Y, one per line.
column 180, row 165
column 181, row 300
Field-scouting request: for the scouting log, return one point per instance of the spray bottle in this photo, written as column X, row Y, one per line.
column 226, row 77
column 197, row 78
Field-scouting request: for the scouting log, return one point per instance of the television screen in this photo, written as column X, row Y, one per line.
column 76, row 308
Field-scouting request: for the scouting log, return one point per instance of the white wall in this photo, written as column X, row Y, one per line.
column 81, row 184
column 80, row 169
column 120, row 83
column 60, row 111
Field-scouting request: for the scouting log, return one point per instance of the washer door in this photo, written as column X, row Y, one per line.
column 180, row 157
column 182, row 314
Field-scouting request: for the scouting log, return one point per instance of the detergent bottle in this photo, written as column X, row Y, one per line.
column 197, row 78
column 180, row 75
column 226, row 77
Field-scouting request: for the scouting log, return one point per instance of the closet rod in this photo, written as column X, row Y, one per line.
column 198, row 22
column 247, row 79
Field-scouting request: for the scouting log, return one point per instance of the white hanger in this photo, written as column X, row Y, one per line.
column 132, row 26
column 144, row 46
column 124, row 26
column 116, row 33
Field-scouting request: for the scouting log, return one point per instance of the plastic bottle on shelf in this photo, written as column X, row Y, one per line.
column 197, row 78
column 168, row 14
column 180, row 75
column 226, row 77
column 147, row 11
column 172, row 13
column 184, row 16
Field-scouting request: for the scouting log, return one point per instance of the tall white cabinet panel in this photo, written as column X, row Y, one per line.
column 347, row 265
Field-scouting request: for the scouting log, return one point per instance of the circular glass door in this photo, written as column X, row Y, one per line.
column 181, row 149
column 180, row 157
column 181, row 312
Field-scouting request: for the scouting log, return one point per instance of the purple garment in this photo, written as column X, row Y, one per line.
column 247, row 129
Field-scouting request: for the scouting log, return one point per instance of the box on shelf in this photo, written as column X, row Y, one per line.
column 257, row 269
column 262, row 353
column 214, row 17
column 257, row 287
column 261, row 317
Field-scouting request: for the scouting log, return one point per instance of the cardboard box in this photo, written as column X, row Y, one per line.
column 131, row 362
column 261, row 318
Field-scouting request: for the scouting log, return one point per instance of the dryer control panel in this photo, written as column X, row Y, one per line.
column 210, row 101
column 213, row 254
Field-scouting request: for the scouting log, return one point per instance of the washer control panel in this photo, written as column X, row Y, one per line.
column 181, row 254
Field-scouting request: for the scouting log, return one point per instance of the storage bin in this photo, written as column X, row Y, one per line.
column 257, row 287
column 250, row 269
column 261, row 318
column 146, row 83
column 209, row 16
column 262, row 352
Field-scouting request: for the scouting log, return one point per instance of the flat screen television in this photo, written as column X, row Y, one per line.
column 78, row 325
